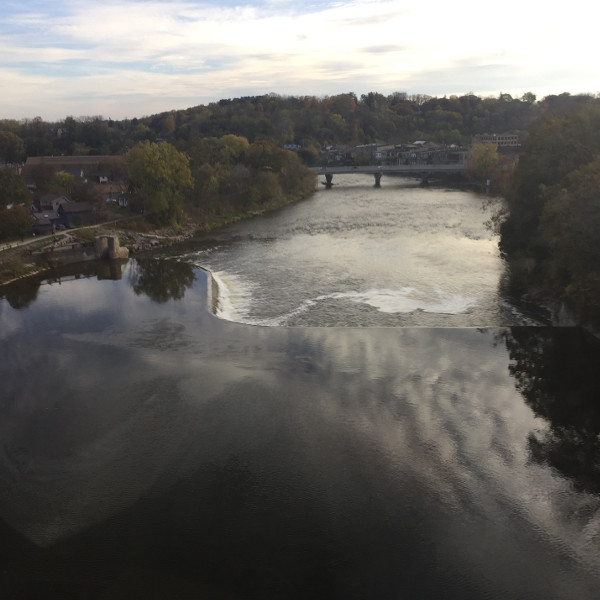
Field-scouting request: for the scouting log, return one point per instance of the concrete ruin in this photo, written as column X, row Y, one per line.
column 108, row 246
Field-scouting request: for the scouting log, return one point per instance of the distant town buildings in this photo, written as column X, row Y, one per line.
column 503, row 140
column 53, row 212
column 417, row 153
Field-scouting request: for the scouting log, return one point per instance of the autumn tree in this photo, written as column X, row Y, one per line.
column 485, row 165
column 12, row 189
column 227, row 150
column 157, row 176
column 15, row 221
column 66, row 182
column 483, row 161
column 168, row 125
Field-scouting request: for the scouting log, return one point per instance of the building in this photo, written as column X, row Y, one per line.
column 45, row 222
column 501, row 140
column 51, row 202
column 428, row 153
column 76, row 214
column 87, row 168
column 335, row 154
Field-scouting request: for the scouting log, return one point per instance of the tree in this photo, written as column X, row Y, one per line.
column 15, row 221
column 483, row 161
column 157, row 176
column 12, row 189
column 528, row 98
column 12, row 147
column 43, row 177
column 66, row 182
column 168, row 125
column 37, row 138
column 570, row 223
column 550, row 237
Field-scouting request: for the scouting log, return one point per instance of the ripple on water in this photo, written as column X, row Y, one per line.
column 358, row 256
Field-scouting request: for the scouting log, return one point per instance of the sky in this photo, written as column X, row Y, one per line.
column 132, row 58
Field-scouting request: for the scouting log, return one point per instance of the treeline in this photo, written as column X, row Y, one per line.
column 306, row 121
column 551, row 236
column 216, row 180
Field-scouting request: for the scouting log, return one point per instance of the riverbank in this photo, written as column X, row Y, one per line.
column 19, row 260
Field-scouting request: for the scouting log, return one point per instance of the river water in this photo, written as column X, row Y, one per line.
column 151, row 449
column 401, row 255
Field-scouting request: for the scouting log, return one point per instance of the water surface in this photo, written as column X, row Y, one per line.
column 150, row 449
column 401, row 255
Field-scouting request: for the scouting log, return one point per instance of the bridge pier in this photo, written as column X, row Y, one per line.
column 377, row 179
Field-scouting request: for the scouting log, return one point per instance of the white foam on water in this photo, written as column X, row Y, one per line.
column 235, row 296
column 408, row 299
column 233, row 299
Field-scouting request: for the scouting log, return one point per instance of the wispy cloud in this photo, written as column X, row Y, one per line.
column 158, row 55
column 385, row 49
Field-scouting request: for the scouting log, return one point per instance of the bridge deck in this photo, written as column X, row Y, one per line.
column 417, row 169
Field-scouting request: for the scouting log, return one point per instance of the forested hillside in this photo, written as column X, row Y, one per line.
column 307, row 121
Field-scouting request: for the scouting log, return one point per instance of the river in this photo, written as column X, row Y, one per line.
column 150, row 448
column 401, row 255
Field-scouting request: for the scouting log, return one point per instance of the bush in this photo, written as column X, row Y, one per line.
column 12, row 267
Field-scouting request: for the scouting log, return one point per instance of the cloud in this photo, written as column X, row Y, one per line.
column 309, row 49
column 384, row 49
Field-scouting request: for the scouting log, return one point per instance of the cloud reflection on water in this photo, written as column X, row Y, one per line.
column 383, row 435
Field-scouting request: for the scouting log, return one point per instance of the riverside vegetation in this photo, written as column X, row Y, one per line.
column 171, row 193
column 551, row 231
column 225, row 161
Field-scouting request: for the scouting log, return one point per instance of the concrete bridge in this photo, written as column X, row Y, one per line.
column 420, row 171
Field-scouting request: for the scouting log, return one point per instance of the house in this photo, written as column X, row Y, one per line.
column 365, row 152
column 86, row 168
column 76, row 214
column 334, row 154
column 45, row 222
column 119, row 199
column 51, row 201
column 383, row 154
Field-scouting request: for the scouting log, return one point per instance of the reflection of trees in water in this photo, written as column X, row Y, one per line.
column 558, row 373
column 22, row 293
column 160, row 279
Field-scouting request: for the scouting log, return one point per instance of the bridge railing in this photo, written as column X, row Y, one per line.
column 373, row 169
